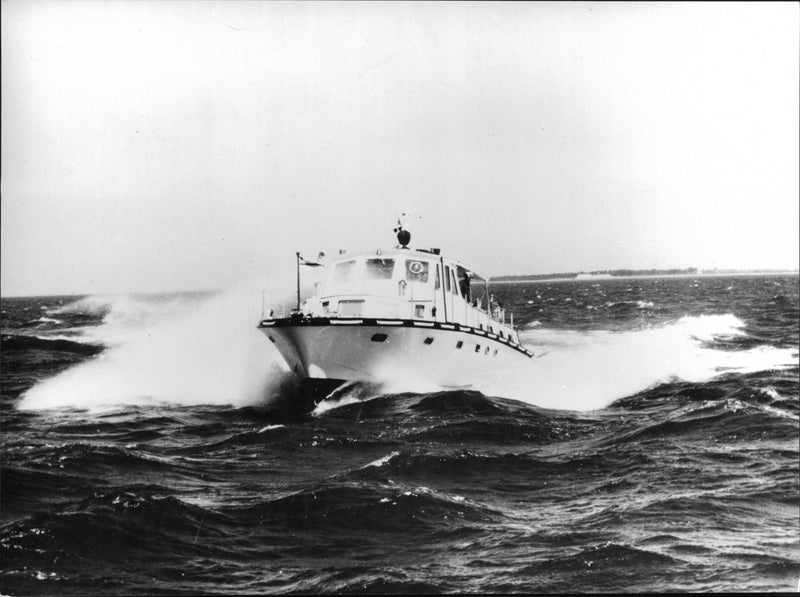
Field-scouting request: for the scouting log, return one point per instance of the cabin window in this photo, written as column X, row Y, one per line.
column 379, row 269
column 350, row 308
column 447, row 278
column 453, row 285
column 344, row 271
column 438, row 280
column 419, row 311
column 417, row 271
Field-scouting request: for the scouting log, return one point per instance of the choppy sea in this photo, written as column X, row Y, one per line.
column 651, row 445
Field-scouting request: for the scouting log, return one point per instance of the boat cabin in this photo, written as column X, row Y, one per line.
column 407, row 284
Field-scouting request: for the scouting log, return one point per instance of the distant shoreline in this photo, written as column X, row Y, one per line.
column 603, row 278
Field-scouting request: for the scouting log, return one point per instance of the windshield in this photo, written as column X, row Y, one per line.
column 379, row 269
column 344, row 272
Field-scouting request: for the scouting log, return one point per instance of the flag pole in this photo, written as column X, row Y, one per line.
column 298, row 280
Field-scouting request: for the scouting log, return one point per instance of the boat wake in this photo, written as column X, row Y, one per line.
column 587, row 370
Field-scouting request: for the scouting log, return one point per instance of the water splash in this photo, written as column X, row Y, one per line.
column 589, row 370
column 184, row 350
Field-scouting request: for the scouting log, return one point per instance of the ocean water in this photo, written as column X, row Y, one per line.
column 651, row 445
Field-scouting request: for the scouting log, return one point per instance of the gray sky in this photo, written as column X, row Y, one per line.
column 189, row 145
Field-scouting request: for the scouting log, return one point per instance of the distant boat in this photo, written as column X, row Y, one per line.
column 402, row 312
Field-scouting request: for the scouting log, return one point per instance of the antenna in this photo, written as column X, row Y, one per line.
column 404, row 218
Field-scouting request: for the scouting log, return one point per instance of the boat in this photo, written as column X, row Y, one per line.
column 391, row 313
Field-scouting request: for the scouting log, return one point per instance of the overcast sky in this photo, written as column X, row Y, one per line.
column 189, row 145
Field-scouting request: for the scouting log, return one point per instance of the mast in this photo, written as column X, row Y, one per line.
column 298, row 279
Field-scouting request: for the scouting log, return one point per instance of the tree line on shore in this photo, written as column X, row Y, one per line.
column 611, row 272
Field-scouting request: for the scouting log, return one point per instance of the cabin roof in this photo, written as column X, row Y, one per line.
column 398, row 252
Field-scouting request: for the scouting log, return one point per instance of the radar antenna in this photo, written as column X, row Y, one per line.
column 403, row 235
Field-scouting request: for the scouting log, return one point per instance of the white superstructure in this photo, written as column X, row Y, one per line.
column 386, row 313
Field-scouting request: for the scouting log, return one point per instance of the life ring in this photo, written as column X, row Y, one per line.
column 415, row 267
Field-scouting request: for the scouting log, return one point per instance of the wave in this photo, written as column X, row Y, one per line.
column 42, row 322
column 142, row 524
column 60, row 344
column 498, row 471
column 353, row 505
column 369, row 400
column 629, row 304
column 602, row 556
column 721, row 418
column 118, row 521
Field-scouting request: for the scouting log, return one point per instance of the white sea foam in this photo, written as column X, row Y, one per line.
column 44, row 319
column 326, row 405
column 71, row 336
column 91, row 305
column 180, row 351
column 396, row 380
column 771, row 392
column 122, row 314
column 381, row 461
column 589, row 370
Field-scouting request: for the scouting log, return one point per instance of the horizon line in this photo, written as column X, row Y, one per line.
column 600, row 275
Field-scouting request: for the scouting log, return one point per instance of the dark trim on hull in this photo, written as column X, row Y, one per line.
column 300, row 321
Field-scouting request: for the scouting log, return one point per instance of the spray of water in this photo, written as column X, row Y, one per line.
column 178, row 351
column 589, row 370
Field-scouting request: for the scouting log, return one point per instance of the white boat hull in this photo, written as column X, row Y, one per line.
column 334, row 351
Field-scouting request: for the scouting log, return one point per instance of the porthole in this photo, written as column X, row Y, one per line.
column 379, row 337
column 428, row 340
column 459, row 344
